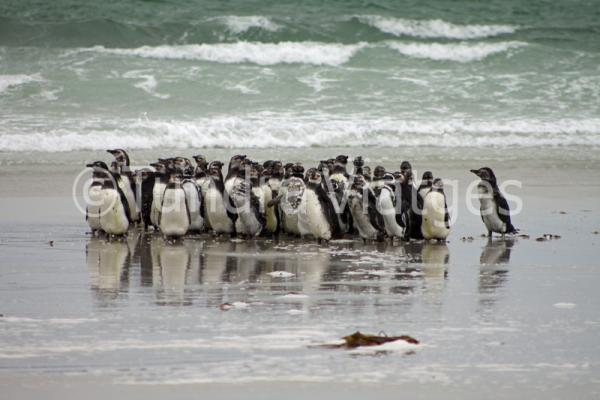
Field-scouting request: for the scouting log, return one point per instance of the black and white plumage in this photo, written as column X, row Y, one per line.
column 217, row 203
column 387, row 207
column 158, row 190
column 114, row 218
column 174, row 215
column 317, row 215
column 435, row 221
column 95, row 196
column 494, row 209
column 248, row 197
column 125, row 180
column 362, row 203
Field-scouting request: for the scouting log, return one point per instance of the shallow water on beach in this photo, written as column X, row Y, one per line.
column 505, row 317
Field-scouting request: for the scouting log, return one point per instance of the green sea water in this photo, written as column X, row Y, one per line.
column 81, row 75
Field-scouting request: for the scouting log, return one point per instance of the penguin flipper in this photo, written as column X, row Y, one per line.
column 327, row 205
column 504, row 212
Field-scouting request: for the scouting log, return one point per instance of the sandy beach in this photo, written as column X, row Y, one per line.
column 142, row 318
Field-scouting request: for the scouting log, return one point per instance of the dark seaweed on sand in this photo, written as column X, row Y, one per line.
column 358, row 339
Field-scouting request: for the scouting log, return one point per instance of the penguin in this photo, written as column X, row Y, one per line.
column 425, row 186
column 290, row 197
column 495, row 212
column 114, row 218
column 337, row 184
column 271, row 213
column 248, row 197
column 145, row 184
column 435, row 222
column 236, row 164
column 316, row 214
column 363, row 206
column 158, row 191
column 174, row 215
column 126, row 182
column 386, row 204
column 216, row 212
column 95, row 195
column 410, row 214
column 194, row 200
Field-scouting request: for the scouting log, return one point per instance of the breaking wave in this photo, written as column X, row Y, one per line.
column 435, row 28
column 268, row 130
column 461, row 52
column 246, row 52
column 240, row 24
column 8, row 81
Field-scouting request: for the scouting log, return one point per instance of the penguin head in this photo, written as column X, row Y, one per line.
column 214, row 169
column 485, row 174
column 378, row 173
column 114, row 167
column 399, row 177
column 288, row 170
column 427, row 179
column 313, row 176
column 255, row 171
column 341, row 159
column 437, row 185
column 298, row 170
column 160, row 167
column 367, row 173
column 389, row 179
column 120, row 156
column 277, row 169
column 236, row 160
column 358, row 183
column 200, row 161
column 98, row 166
column 406, row 170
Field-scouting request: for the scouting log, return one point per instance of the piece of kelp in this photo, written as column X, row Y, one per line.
column 358, row 339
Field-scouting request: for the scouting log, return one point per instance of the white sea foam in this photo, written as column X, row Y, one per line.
column 9, row 81
column 461, row 52
column 239, row 24
column 148, row 83
column 435, row 28
column 267, row 130
column 246, row 52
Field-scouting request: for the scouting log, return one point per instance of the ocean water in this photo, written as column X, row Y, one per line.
column 83, row 75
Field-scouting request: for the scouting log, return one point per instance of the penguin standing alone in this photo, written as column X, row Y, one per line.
column 495, row 212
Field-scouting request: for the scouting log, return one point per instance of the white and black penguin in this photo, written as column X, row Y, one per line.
column 435, row 221
column 174, row 215
column 316, row 214
column 216, row 212
column 363, row 206
column 290, row 196
column 337, row 185
column 248, row 197
column 271, row 212
column 95, row 196
column 126, row 182
column 114, row 212
column 495, row 212
column 201, row 173
column 426, row 183
column 193, row 194
column 161, row 178
column 411, row 215
column 146, row 179
column 385, row 189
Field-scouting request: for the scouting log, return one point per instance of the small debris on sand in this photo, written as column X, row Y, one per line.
column 467, row 238
column 281, row 274
column 51, row 243
column 523, row 236
column 565, row 305
column 358, row 339
column 595, row 233
column 548, row 236
column 562, row 212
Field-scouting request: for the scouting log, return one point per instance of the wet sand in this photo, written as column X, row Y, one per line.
column 142, row 318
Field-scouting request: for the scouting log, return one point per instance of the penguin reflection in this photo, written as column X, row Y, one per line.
column 108, row 265
column 171, row 263
column 493, row 272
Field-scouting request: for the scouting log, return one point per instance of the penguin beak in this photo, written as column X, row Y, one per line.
column 475, row 171
column 89, row 165
column 111, row 151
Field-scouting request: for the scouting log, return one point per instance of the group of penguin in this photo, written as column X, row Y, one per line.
column 325, row 202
